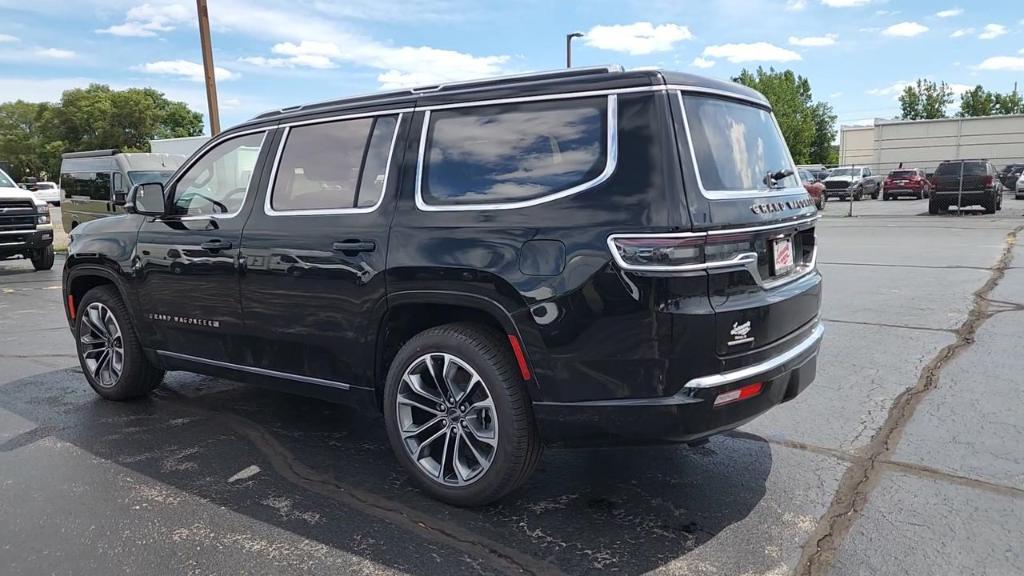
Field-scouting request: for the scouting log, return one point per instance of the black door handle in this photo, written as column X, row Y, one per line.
column 354, row 246
column 215, row 245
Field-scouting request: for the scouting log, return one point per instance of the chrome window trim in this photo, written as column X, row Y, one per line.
column 196, row 158
column 611, row 161
column 734, row 194
column 260, row 371
column 754, row 370
column 269, row 210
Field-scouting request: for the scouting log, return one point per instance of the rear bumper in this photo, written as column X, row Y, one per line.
column 967, row 197
column 688, row 415
column 21, row 242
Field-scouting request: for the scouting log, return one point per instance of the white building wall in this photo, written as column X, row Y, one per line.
column 926, row 143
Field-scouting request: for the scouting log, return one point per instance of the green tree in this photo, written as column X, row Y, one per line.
column 976, row 102
column 808, row 128
column 925, row 100
column 33, row 136
column 822, row 150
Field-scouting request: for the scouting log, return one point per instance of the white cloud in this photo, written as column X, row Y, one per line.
column 886, row 12
column 1012, row 63
column 959, row 89
column 845, row 3
column 55, row 53
column 962, row 32
column 949, row 13
column 146, row 20
column 905, row 30
column 7, row 38
column 185, row 69
column 754, row 52
column 992, row 31
column 699, row 62
column 638, row 38
column 835, row 95
column 894, row 89
column 796, row 5
column 814, row 41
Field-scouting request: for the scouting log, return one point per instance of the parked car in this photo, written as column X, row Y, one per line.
column 1019, row 188
column 1010, row 174
column 814, row 187
column 856, row 181
column 909, row 182
column 513, row 263
column 25, row 228
column 48, row 192
column 96, row 182
column 979, row 186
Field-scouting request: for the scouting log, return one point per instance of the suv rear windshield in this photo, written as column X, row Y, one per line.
column 953, row 169
column 903, row 173
column 735, row 145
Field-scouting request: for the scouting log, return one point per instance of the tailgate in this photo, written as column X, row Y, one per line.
column 755, row 307
column 759, row 221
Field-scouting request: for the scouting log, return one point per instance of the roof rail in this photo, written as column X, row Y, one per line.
column 541, row 75
column 91, row 153
column 529, row 76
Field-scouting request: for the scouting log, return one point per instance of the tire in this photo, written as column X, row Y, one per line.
column 858, row 195
column 43, row 259
column 465, row 347
column 137, row 377
column 989, row 205
column 886, row 197
column 933, row 207
column 874, row 195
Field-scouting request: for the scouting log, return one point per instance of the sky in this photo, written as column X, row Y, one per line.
column 857, row 54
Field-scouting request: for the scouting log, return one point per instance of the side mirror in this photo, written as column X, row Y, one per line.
column 147, row 199
column 120, row 198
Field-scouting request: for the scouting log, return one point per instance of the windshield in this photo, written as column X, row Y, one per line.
column 953, row 169
column 903, row 174
column 735, row 145
column 5, row 181
column 149, row 177
column 806, row 176
column 845, row 172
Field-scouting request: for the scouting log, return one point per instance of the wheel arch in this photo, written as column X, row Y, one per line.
column 83, row 277
column 411, row 312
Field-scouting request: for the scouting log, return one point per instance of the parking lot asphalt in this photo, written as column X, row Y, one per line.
column 904, row 456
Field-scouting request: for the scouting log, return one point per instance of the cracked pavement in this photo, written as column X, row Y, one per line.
column 904, row 456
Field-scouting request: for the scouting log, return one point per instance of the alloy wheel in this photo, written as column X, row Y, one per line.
column 446, row 419
column 102, row 345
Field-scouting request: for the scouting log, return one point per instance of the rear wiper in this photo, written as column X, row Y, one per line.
column 771, row 179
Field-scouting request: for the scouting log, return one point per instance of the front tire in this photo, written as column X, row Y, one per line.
column 109, row 350
column 43, row 259
column 458, row 416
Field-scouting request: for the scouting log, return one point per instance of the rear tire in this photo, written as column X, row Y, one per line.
column 886, row 197
column 43, row 259
column 933, row 207
column 989, row 205
column 104, row 333
column 456, row 453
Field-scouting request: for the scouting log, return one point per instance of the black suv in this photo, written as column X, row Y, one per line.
column 965, row 183
column 588, row 256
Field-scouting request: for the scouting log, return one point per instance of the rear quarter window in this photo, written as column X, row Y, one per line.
column 511, row 153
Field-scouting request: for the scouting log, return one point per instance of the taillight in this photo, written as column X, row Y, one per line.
column 935, row 181
column 681, row 252
column 748, row 391
column 988, row 181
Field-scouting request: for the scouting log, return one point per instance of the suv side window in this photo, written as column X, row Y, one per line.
column 217, row 183
column 513, row 152
column 338, row 165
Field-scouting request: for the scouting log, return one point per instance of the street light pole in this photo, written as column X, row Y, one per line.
column 208, row 69
column 568, row 47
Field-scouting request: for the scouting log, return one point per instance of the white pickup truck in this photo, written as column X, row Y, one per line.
column 856, row 181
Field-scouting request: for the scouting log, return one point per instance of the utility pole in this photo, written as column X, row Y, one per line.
column 208, row 69
column 568, row 47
